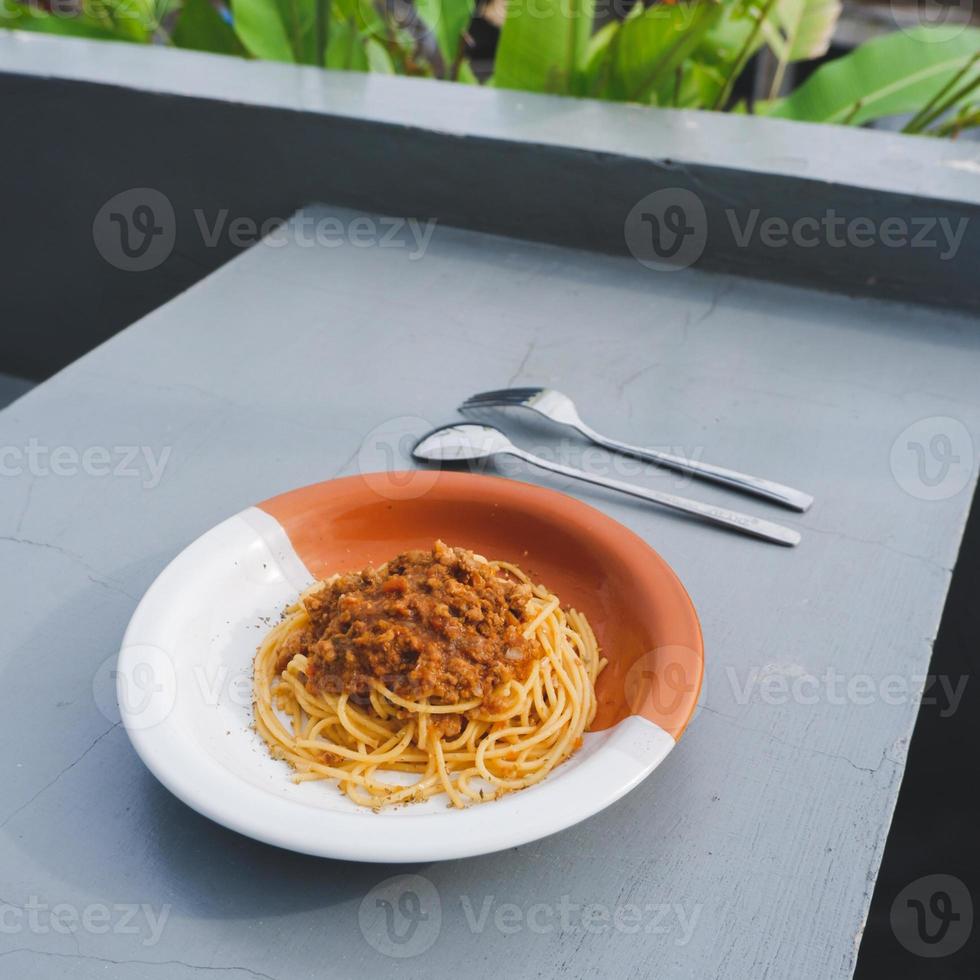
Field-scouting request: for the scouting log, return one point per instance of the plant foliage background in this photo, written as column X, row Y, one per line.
column 678, row 53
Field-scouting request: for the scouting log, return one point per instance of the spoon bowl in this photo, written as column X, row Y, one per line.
column 455, row 443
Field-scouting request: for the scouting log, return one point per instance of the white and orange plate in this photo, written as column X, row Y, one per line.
column 184, row 679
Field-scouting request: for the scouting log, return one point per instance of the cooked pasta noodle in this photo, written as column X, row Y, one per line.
column 507, row 740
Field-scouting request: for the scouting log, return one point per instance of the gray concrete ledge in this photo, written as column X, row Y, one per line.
column 925, row 168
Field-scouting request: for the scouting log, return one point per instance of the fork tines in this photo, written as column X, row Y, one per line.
column 503, row 396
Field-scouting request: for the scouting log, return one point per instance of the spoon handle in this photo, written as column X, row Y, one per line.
column 770, row 490
column 753, row 526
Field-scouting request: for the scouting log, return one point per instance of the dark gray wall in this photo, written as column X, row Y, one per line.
column 71, row 145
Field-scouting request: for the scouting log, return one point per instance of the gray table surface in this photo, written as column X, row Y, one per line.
column 752, row 852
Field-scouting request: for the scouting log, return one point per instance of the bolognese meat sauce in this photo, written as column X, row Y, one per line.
column 437, row 624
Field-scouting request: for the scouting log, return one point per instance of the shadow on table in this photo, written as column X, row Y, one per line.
column 224, row 874
column 100, row 827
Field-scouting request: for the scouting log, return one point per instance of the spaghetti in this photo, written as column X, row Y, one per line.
column 456, row 673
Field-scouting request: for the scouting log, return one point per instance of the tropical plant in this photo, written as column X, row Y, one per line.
column 675, row 53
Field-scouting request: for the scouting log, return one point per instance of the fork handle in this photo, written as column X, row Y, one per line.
column 787, row 496
column 745, row 523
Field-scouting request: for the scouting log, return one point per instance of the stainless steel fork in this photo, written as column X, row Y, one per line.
column 560, row 408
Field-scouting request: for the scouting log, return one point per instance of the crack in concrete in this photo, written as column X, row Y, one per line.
column 26, row 505
column 92, row 573
column 343, row 466
column 47, row 786
column 134, row 962
column 885, row 547
column 720, row 293
column 523, row 364
column 795, row 745
column 635, row 376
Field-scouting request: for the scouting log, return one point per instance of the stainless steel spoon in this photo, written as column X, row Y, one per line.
column 455, row 443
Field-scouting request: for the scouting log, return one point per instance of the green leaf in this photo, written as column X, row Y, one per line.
column 542, row 45
column 378, row 58
column 261, row 30
column 597, row 60
column 725, row 39
column 799, row 30
column 447, row 19
column 465, row 74
column 887, row 76
column 201, row 28
column 758, row 14
column 651, row 46
column 138, row 20
column 699, row 87
column 346, row 50
column 277, row 30
column 366, row 14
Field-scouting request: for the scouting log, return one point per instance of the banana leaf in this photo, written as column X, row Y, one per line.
column 694, row 86
column 543, row 45
column 800, row 30
column 201, row 28
column 277, row 30
column 378, row 58
column 888, row 76
column 345, row 48
column 649, row 47
column 724, row 41
column 597, row 61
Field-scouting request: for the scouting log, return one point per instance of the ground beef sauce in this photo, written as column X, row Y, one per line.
column 436, row 624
